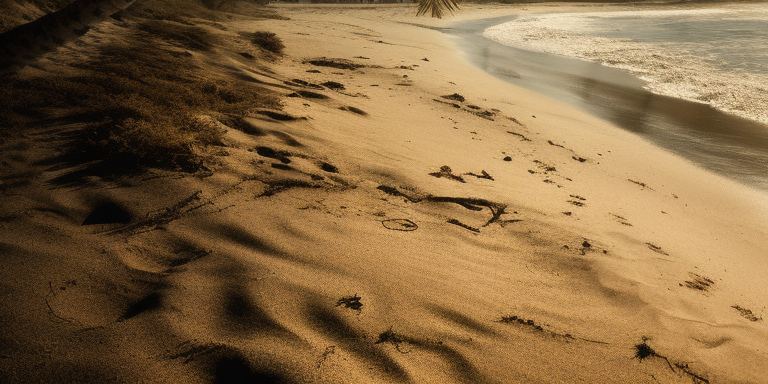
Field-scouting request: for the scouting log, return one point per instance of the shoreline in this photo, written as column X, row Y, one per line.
column 401, row 216
column 630, row 161
column 716, row 140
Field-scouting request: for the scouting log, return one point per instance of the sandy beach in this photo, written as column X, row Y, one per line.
column 399, row 215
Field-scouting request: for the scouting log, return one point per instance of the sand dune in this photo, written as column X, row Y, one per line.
column 52, row 30
column 402, row 217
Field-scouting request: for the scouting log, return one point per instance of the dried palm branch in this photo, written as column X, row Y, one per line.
column 436, row 7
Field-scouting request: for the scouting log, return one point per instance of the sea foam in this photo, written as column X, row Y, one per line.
column 717, row 56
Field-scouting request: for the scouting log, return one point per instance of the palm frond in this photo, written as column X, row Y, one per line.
column 436, row 7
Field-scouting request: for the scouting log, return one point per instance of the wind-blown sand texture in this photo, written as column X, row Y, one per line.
column 404, row 217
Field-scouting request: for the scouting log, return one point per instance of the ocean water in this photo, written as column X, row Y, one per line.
column 717, row 56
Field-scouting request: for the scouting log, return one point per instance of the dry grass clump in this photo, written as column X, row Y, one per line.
column 267, row 41
column 142, row 102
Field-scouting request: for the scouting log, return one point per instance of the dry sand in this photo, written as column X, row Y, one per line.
column 389, row 235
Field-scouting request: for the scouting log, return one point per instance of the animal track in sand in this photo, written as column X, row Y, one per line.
column 698, row 282
column 747, row 314
column 516, row 320
column 161, row 217
column 512, row 119
column 470, row 108
column 513, row 319
column 574, row 157
column 656, row 249
column 621, row 220
column 553, row 144
column 640, row 183
column 544, row 166
column 454, row 97
column 520, row 135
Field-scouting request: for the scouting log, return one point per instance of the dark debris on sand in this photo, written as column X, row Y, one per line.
column 351, row 302
column 699, row 283
column 747, row 314
column 454, row 97
column 446, row 172
column 644, row 351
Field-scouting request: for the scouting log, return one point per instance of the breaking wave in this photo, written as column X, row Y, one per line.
column 717, row 56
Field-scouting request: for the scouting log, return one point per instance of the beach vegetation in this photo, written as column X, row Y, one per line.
column 267, row 41
column 436, row 8
column 141, row 101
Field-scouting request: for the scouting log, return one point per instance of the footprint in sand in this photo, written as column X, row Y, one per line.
column 747, row 314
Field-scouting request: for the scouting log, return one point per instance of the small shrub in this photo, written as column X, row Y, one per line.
column 142, row 102
column 643, row 351
column 267, row 41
